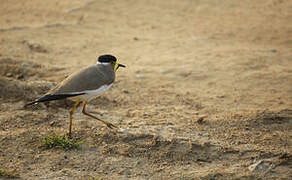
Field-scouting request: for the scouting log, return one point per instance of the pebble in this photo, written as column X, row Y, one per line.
column 122, row 130
column 9, row 75
column 126, row 91
column 140, row 76
column 52, row 123
column 260, row 166
column 165, row 71
column 19, row 76
column 201, row 119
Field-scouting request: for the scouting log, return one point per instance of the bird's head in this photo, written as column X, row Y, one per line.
column 110, row 60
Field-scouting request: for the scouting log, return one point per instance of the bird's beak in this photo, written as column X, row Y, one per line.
column 121, row 65
column 118, row 65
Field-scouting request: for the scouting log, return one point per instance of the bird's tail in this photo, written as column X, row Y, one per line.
column 51, row 97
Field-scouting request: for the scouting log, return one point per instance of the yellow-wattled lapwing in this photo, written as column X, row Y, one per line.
column 84, row 85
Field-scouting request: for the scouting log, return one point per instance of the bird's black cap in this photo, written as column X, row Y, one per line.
column 107, row 58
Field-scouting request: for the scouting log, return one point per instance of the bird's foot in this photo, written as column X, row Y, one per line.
column 69, row 136
column 110, row 125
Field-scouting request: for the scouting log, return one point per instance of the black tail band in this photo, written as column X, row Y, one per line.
column 51, row 97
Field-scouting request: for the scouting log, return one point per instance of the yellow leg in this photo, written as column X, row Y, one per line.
column 71, row 113
column 108, row 124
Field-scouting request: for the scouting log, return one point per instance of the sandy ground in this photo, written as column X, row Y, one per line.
column 207, row 92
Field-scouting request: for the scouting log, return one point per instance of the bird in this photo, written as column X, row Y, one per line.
column 84, row 85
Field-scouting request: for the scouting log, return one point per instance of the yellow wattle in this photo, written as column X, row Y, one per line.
column 116, row 66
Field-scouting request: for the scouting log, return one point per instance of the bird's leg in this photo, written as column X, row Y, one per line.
column 108, row 124
column 71, row 113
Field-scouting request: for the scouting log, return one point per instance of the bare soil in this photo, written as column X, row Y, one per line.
column 207, row 92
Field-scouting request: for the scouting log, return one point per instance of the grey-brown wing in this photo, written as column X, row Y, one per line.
column 90, row 78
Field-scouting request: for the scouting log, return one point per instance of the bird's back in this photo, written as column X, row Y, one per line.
column 89, row 78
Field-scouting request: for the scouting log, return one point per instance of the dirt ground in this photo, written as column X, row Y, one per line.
column 207, row 92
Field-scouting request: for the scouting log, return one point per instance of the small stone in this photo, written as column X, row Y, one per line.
column 200, row 120
column 136, row 39
column 196, row 113
column 165, row 71
column 52, row 123
column 274, row 50
column 122, row 130
column 9, row 75
column 19, row 76
column 222, row 96
column 126, row 91
column 260, row 166
column 204, row 134
column 140, row 76
column 34, row 46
